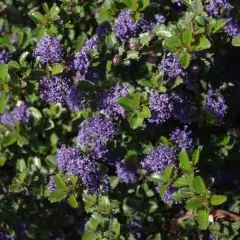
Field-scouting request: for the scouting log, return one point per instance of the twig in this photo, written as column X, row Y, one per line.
column 216, row 214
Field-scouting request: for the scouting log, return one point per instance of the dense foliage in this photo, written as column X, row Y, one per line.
column 119, row 119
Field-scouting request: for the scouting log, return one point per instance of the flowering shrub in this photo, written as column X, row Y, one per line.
column 119, row 119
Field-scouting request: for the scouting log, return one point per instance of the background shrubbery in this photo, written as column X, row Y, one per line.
column 119, row 119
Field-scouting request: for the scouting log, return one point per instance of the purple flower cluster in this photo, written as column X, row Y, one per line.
column 213, row 7
column 81, row 62
column 4, row 56
column 20, row 113
column 215, row 104
column 54, row 90
column 161, row 107
column 75, row 99
column 5, row 236
column 71, row 161
column 159, row 159
column 49, row 50
column 184, row 108
column 171, row 66
column 95, row 134
column 168, row 195
column 127, row 172
column 51, row 184
column 108, row 100
column 125, row 26
column 211, row 237
column 136, row 228
column 182, row 138
column 232, row 27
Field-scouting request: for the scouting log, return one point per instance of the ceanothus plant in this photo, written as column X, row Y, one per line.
column 119, row 119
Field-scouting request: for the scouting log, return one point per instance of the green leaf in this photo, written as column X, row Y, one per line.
column 196, row 156
column 3, row 73
column 38, row 18
column 177, row 82
column 163, row 190
column 199, row 185
column 126, row 103
column 136, row 122
column 168, row 172
column 181, row 182
column 57, row 195
column 9, row 139
column 21, row 165
column 193, row 203
column 54, row 11
column 172, row 44
column 115, row 226
column 3, row 102
column 57, row 68
column 35, row 113
column 161, row 31
column 158, row 178
column 200, row 21
column 73, row 201
column 202, row 44
column 184, row 160
column 136, row 98
column 144, row 39
column 187, row 37
column 22, row 59
column 197, row 6
column 185, row 59
column 13, row 65
column 45, row 7
column 145, row 113
column 219, row 24
column 224, row 140
column 236, row 41
column 132, row 54
column 144, row 83
column 203, row 217
column 218, row 199
column 185, row 192
column 89, row 235
column 59, row 182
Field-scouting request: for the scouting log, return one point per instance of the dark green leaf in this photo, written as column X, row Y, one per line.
column 21, row 165
column 163, row 190
column 3, row 102
column 181, row 182
column 219, row 24
column 126, row 103
column 196, row 156
column 193, row 203
column 136, row 122
column 187, row 37
column 57, row 195
column 3, row 73
column 9, row 139
column 185, row 59
column 202, row 44
column 184, row 160
column 158, row 178
column 168, row 172
column 185, row 192
column 200, row 21
column 54, row 11
column 203, row 218
column 38, row 18
column 59, row 182
column 199, row 185
column 172, row 43
column 115, row 226
column 86, row 85
column 145, row 113
column 218, row 199
column 73, row 201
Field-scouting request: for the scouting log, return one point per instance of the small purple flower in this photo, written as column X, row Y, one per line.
column 126, row 172
column 108, row 100
column 75, row 99
column 20, row 112
column 182, row 138
column 211, row 237
column 125, row 26
column 215, row 105
column 232, row 27
column 51, row 184
column 160, row 19
column 5, row 236
column 14, row 39
column 168, row 195
column 101, row 31
column 178, row 2
column 184, row 108
column 7, row 118
column 171, row 66
column 54, row 90
column 161, row 107
column 4, row 56
column 136, row 228
column 95, row 133
column 159, row 159
column 90, row 45
column 49, row 50
column 213, row 7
